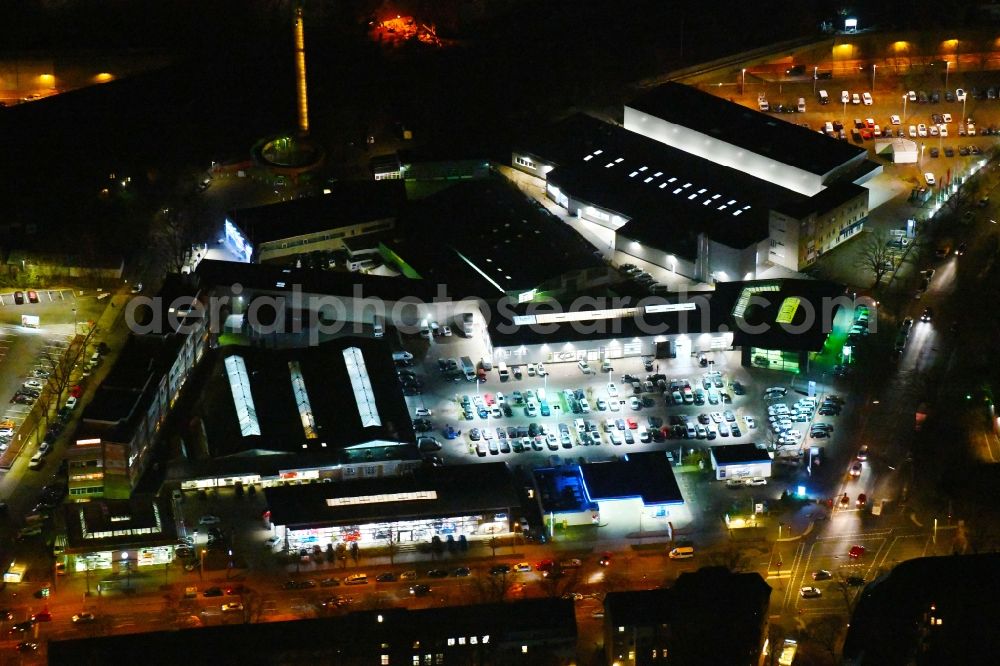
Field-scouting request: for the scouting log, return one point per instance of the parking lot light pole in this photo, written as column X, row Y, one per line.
column 947, row 67
column 201, row 565
column 815, row 78
column 743, row 80
column 874, row 66
column 903, row 119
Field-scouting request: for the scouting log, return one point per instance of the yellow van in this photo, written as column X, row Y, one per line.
column 681, row 553
column 356, row 579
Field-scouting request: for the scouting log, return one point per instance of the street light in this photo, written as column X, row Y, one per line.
column 815, row 78
column 201, row 565
column 904, row 109
column 743, row 81
column 947, row 67
column 873, row 77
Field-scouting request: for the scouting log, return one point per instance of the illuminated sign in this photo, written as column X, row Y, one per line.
column 670, row 307
column 526, row 296
column 379, row 499
column 786, row 313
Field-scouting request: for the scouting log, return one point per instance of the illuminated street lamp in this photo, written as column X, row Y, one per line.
column 947, row 67
column 201, row 565
column 743, row 81
column 904, row 108
column 874, row 66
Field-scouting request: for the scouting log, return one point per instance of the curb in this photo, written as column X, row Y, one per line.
column 913, row 519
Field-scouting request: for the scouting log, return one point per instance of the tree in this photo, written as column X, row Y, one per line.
column 827, row 632
column 61, row 366
column 490, row 588
column 876, row 256
column 732, row 558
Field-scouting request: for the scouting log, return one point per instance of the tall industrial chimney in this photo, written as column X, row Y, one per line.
column 300, row 72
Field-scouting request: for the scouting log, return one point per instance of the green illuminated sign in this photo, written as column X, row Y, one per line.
column 786, row 313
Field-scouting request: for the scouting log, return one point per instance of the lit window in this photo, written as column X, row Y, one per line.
column 702, row 190
column 621, row 630
column 385, row 660
column 693, row 196
column 643, row 168
column 633, row 174
column 416, row 660
column 677, row 191
column 524, row 649
column 588, row 158
column 687, row 185
column 662, row 185
column 461, row 640
column 672, row 179
column 598, row 152
column 451, row 641
column 620, row 159
column 486, row 639
column 657, row 174
column 648, row 179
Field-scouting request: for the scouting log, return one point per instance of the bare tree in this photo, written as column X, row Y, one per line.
column 490, row 588
column 732, row 557
column 827, row 632
column 61, row 365
column 876, row 256
column 173, row 235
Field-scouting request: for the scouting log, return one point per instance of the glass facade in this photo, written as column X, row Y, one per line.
column 375, row 534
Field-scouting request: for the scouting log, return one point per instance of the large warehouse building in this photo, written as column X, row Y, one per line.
column 778, row 194
column 474, row 501
column 729, row 134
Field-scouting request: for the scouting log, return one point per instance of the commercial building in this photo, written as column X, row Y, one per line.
column 270, row 416
column 450, row 503
column 711, row 616
column 533, row 632
column 774, row 323
column 115, row 440
column 691, row 212
column 638, row 490
column 281, row 232
column 111, row 540
column 731, row 135
column 740, row 461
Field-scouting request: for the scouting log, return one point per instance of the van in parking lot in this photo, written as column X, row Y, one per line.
column 823, row 97
column 503, row 371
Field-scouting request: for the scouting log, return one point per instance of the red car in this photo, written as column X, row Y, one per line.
column 488, row 399
column 862, row 500
column 632, row 423
column 75, row 391
column 856, row 552
column 44, row 616
column 33, row 297
column 544, row 565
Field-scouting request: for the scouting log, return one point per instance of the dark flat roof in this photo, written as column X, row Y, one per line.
column 330, row 395
column 86, row 520
column 349, row 202
column 810, row 324
column 824, row 200
column 729, row 454
column 489, row 234
column 746, row 128
column 669, row 195
column 458, row 490
column 647, row 475
column 355, row 638
column 756, row 326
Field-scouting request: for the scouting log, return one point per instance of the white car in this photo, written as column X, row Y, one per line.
column 612, row 390
column 845, row 97
column 531, row 369
column 929, row 177
column 750, row 421
column 32, row 384
column 602, row 405
column 584, row 367
column 868, row 98
column 446, row 331
column 613, row 405
column 584, row 406
column 913, row 131
column 209, row 519
column 423, row 411
column 531, row 410
column 933, row 130
column 943, row 129
column 70, row 404
column 716, row 416
column 912, row 95
column 894, row 119
column 540, row 370
column 855, row 98
column 634, row 403
column 921, row 130
column 960, row 94
column 946, row 117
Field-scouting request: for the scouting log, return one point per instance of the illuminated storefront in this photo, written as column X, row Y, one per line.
column 117, row 535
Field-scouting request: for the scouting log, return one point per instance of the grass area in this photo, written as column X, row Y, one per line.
column 575, row 532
